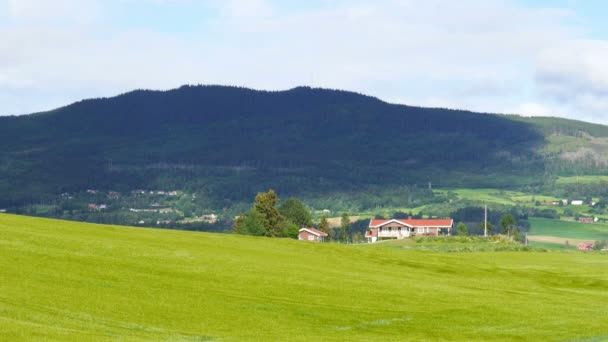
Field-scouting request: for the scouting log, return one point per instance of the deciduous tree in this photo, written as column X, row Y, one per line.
column 462, row 229
column 251, row 223
column 507, row 222
column 295, row 211
column 489, row 226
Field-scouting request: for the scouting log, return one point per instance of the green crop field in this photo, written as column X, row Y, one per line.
column 73, row 281
column 568, row 229
column 498, row 196
column 581, row 180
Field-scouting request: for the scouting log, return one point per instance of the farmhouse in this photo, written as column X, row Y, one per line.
column 311, row 234
column 584, row 246
column 402, row 228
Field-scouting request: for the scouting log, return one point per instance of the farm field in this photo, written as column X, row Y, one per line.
column 581, row 180
column 568, row 229
column 74, row 281
column 506, row 197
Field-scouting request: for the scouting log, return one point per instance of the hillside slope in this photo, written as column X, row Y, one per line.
column 232, row 142
column 228, row 143
column 572, row 147
column 74, row 281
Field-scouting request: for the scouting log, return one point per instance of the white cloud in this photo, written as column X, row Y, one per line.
column 242, row 9
column 534, row 109
column 574, row 75
column 466, row 54
column 58, row 11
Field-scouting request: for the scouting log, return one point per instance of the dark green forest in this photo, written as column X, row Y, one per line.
column 226, row 144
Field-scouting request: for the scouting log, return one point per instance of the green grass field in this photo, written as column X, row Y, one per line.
column 73, row 281
column 568, row 229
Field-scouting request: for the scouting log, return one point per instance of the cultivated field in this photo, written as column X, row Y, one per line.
column 505, row 197
column 569, row 229
column 581, row 180
column 74, row 281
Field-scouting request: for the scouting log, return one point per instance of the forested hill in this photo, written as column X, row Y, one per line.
column 229, row 142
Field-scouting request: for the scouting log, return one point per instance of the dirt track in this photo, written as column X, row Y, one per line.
column 558, row 240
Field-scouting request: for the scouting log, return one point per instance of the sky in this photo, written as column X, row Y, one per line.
column 503, row 56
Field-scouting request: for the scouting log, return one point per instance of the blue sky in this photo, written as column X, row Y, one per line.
column 508, row 56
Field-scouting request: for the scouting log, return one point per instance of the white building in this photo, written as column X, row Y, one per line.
column 402, row 228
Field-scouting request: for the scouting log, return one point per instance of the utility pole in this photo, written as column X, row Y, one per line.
column 485, row 221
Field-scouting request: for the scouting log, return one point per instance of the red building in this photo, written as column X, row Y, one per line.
column 402, row 228
column 311, row 234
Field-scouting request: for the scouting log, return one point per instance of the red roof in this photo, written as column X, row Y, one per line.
column 313, row 231
column 415, row 222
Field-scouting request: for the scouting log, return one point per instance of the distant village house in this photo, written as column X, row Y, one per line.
column 210, row 218
column 95, row 207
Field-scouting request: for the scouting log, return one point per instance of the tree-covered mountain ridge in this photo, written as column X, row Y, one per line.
column 227, row 143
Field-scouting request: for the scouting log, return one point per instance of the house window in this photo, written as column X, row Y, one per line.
column 311, row 237
column 420, row 230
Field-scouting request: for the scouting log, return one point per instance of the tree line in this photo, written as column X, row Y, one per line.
column 267, row 218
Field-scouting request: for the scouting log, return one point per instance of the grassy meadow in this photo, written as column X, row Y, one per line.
column 73, row 281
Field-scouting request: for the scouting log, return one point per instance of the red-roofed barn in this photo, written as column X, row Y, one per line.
column 402, row 228
column 311, row 234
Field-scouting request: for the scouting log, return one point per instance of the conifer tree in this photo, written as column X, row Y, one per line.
column 344, row 228
column 265, row 204
column 324, row 227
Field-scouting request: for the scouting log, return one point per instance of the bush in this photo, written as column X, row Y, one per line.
column 599, row 245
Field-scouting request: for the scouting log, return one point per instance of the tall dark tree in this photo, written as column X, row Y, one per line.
column 324, row 227
column 344, row 228
column 265, row 204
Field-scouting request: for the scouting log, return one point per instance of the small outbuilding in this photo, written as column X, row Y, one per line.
column 311, row 234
